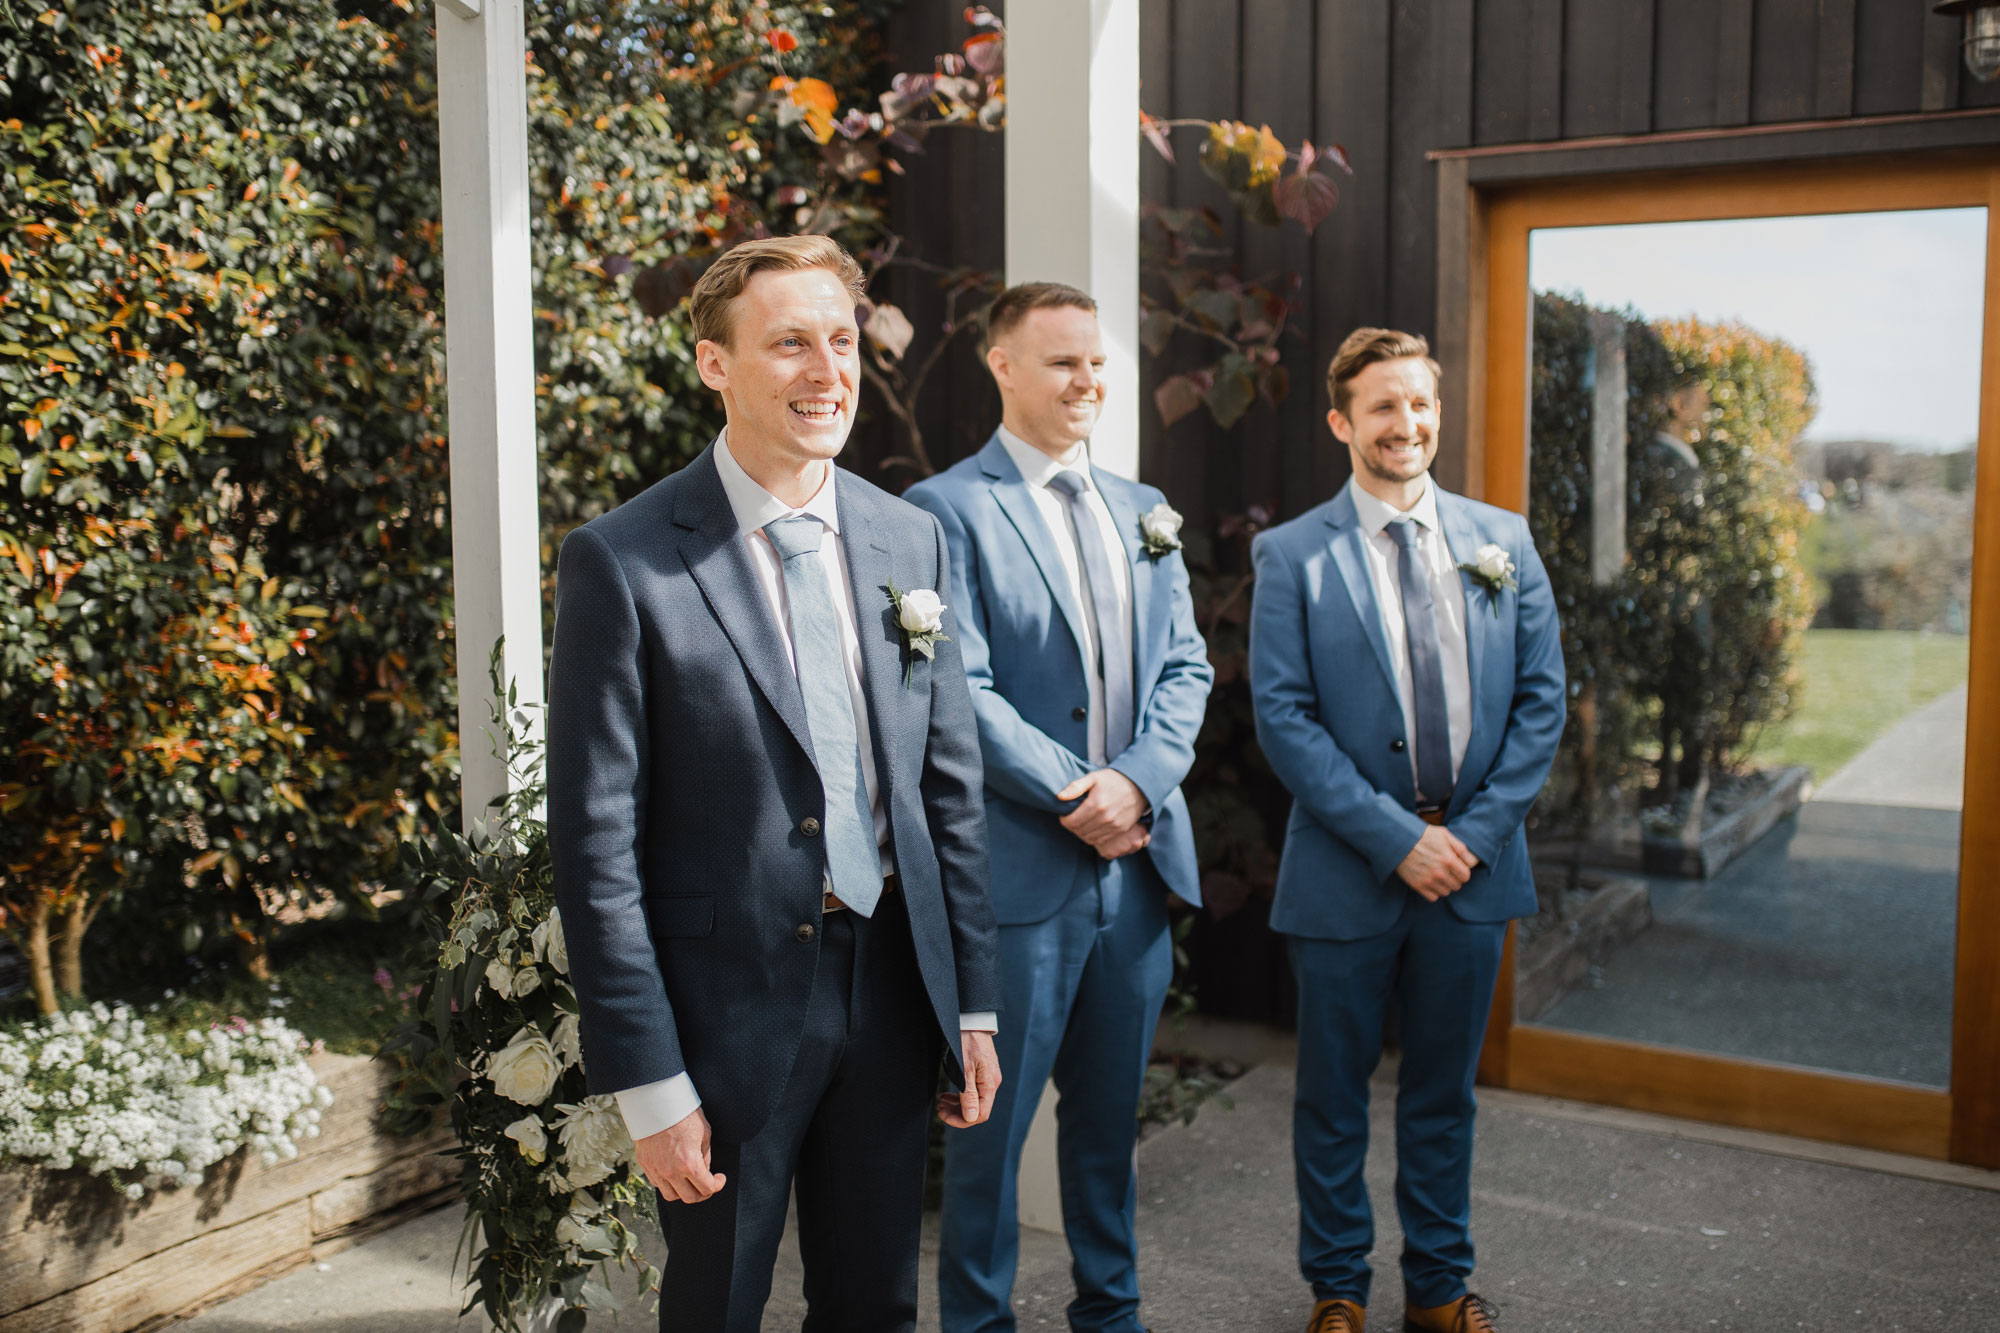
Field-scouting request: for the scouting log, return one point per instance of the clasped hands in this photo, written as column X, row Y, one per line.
column 1109, row 817
column 1438, row 865
column 676, row 1160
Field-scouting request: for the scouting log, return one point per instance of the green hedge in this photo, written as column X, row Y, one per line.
column 226, row 662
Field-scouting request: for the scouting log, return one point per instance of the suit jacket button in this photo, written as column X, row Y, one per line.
column 1397, row 746
column 1079, row 712
column 805, row 934
column 809, row 826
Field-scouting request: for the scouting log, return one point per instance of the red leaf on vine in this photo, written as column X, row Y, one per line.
column 782, row 42
column 1177, row 397
column 1305, row 199
column 1156, row 135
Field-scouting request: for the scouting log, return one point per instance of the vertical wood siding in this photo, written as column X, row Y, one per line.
column 1392, row 80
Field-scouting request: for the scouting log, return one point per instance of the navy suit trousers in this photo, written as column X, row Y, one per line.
column 849, row 1134
column 1440, row 972
column 1083, row 994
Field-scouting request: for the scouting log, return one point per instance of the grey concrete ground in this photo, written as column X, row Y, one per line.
column 1828, row 944
column 1587, row 1221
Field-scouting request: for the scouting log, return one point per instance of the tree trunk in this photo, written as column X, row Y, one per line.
column 41, row 974
column 69, row 953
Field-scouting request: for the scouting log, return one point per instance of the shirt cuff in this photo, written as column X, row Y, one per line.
column 985, row 1021
column 652, row 1107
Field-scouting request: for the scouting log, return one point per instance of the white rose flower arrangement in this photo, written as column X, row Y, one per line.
column 119, row 1094
column 1492, row 568
column 549, row 1176
column 920, row 616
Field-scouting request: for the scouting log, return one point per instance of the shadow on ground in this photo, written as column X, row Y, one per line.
column 1583, row 1227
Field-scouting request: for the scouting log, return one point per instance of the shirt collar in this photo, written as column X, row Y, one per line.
column 1037, row 468
column 754, row 506
column 1376, row 515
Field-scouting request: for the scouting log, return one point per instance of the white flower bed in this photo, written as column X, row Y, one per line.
column 115, row 1094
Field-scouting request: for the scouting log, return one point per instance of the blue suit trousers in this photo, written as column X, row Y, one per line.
column 1083, row 991
column 1440, row 970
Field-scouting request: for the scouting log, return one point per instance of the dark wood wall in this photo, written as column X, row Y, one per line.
column 1393, row 80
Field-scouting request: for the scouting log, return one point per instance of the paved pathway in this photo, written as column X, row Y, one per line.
column 1920, row 761
column 1588, row 1220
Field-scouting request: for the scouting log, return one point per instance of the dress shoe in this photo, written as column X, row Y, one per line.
column 1467, row 1314
column 1337, row 1317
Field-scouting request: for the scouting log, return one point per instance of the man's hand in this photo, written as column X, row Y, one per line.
column 963, row 1110
column 676, row 1160
column 1438, row 865
column 1112, row 807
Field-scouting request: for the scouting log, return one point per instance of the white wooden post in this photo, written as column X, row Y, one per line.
column 1073, row 180
column 490, row 368
column 1073, row 216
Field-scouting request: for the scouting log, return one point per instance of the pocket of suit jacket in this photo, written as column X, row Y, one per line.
column 681, row 915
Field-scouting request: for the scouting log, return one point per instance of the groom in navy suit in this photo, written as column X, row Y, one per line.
column 1407, row 673
column 1089, row 681
column 765, row 817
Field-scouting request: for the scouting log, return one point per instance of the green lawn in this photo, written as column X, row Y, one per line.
column 1857, row 683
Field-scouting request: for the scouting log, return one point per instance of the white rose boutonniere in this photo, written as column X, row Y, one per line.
column 1493, row 569
column 1160, row 529
column 920, row 616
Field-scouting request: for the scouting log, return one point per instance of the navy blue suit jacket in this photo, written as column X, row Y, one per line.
column 1331, row 723
column 1023, row 645
column 681, row 777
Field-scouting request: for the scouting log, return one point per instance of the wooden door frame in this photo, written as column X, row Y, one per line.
column 1488, row 204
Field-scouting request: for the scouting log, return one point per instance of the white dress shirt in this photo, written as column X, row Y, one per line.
column 1448, row 597
column 652, row 1107
column 1038, row 470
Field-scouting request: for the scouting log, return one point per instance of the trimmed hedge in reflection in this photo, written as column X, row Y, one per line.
column 1675, row 664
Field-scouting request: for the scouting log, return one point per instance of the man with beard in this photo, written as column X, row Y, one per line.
column 765, row 818
column 1407, row 675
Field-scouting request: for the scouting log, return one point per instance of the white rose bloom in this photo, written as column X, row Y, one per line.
column 568, row 1041
column 526, row 980
column 920, row 612
column 1493, row 562
column 501, row 978
column 594, row 1140
column 525, row 1071
column 534, row 1140
column 1161, row 523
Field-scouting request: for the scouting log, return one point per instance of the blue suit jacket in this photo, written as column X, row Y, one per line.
column 681, row 770
column 1021, row 634
column 1331, row 724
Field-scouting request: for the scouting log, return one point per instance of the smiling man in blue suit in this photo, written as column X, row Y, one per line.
column 1407, row 672
column 764, row 814
column 1089, row 681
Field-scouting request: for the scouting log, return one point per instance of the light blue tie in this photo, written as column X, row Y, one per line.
column 853, row 862
column 1100, row 587
column 1434, row 781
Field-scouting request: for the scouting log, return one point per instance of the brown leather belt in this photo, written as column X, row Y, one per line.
column 829, row 903
column 1431, row 816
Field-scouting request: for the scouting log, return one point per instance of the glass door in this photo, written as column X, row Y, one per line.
column 1749, row 448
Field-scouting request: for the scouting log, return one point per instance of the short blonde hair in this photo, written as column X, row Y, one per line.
column 1363, row 348
column 709, row 306
column 1015, row 304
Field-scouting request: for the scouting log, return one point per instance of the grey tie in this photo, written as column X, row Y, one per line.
column 1114, row 645
column 1433, row 738
column 853, row 862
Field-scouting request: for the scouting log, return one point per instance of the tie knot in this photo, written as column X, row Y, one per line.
column 1067, row 482
column 1403, row 531
column 797, row 534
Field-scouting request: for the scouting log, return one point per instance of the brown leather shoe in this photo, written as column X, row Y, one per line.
column 1337, row 1317
column 1468, row 1314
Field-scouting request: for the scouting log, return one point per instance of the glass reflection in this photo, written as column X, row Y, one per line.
column 1752, row 447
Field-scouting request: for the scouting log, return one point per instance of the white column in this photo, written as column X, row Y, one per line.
column 1073, row 180
column 1073, row 216
column 490, row 368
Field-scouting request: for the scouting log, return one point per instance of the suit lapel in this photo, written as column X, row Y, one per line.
column 719, row 560
column 1352, row 561
column 1011, row 492
column 1125, row 517
column 866, row 539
